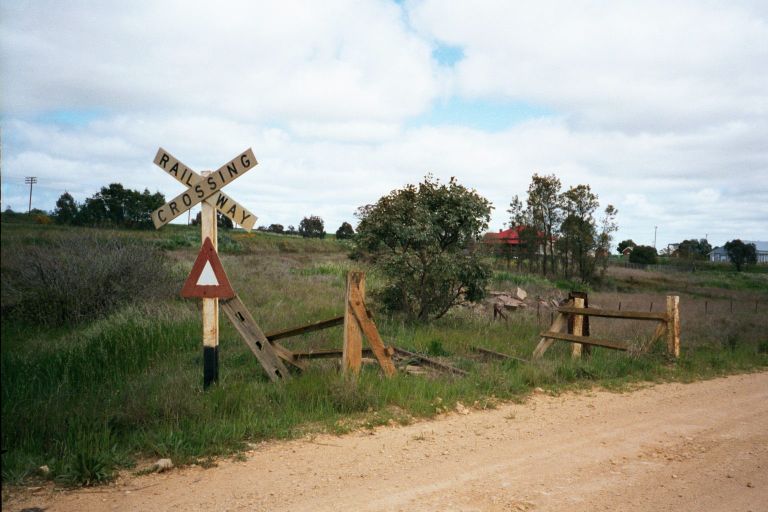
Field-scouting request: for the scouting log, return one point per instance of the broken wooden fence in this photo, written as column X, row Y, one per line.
column 357, row 321
column 668, row 326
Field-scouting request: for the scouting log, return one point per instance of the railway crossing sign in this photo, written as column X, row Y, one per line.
column 207, row 279
column 205, row 188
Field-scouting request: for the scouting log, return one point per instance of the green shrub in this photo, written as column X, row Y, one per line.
column 67, row 280
column 643, row 254
column 423, row 240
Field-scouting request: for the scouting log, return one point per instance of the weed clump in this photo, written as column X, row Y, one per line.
column 70, row 279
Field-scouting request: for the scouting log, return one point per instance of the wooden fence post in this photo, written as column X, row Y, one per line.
column 208, row 229
column 352, row 352
column 673, row 325
column 578, row 328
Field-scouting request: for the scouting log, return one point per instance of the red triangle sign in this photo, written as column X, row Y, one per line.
column 207, row 278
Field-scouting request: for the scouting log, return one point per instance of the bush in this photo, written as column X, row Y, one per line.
column 312, row 227
column 423, row 241
column 643, row 254
column 741, row 253
column 345, row 231
column 67, row 280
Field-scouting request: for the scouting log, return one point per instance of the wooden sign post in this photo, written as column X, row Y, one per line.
column 208, row 279
column 209, row 231
column 209, row 282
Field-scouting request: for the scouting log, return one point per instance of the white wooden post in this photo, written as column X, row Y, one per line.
column 208, row 229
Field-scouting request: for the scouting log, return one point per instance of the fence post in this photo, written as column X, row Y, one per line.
column 352, row 352
column 578, row 330
column 673, row 325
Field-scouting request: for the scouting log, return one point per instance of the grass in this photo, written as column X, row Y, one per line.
column 106, row 395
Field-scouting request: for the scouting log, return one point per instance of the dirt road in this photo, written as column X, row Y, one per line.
column 701, row 446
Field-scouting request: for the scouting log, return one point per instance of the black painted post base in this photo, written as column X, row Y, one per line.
column 210, row 366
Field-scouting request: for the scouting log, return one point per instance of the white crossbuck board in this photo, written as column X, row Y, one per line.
column 222, row 202
column 206, row 188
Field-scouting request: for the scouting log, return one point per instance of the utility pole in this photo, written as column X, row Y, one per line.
column 30, row 180
column 654, row 235
column 1, row 168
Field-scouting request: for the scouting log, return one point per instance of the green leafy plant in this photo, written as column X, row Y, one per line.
column 422, row 238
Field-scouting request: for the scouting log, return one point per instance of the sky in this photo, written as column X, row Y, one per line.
column 661, row 107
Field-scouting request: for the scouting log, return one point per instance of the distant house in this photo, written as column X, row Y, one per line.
column 627, row 251
column 719, row 254
column 509, row 237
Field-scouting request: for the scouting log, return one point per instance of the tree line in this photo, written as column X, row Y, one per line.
column 117, row 206
column 558, row 231
column 113, row 205
column 691, row 251
column 310, row 227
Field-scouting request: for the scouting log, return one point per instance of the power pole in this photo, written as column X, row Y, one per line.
column 1, row 167
column 654, row 235
column 30, row 180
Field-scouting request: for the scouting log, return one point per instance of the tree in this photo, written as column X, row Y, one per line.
column 345, row 231
column 222, row 221
column 608, row 226
column 275, row 228
column 578, row 230
column 423, row 239
column 694, row 249
column 624, row 244
column 740, row 253
column 66, row 209
column 643, row 254
column 113, row 205
column 529, row 239
column 544, row 205
column 312, row 227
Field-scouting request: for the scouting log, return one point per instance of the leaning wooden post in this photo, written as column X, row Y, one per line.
column 208, row 229
column 578, row 328
column 352, row 352
column 673, row 325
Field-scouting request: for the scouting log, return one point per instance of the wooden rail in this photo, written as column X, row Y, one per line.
column 430, row 362
column 295, row 331
column 497, row 355
column 610, row 313
column 669, row 326
column 584, row 340
column 326, row 353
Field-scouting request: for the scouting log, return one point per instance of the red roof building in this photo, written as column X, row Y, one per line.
column 509, row 236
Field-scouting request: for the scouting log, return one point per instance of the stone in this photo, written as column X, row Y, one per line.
column 162, row 465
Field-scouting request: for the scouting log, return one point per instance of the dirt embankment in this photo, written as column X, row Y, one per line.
column 683, row 447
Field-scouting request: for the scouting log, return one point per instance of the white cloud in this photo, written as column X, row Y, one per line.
column 335, row 60
column 638, row 66
column 660, row 107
